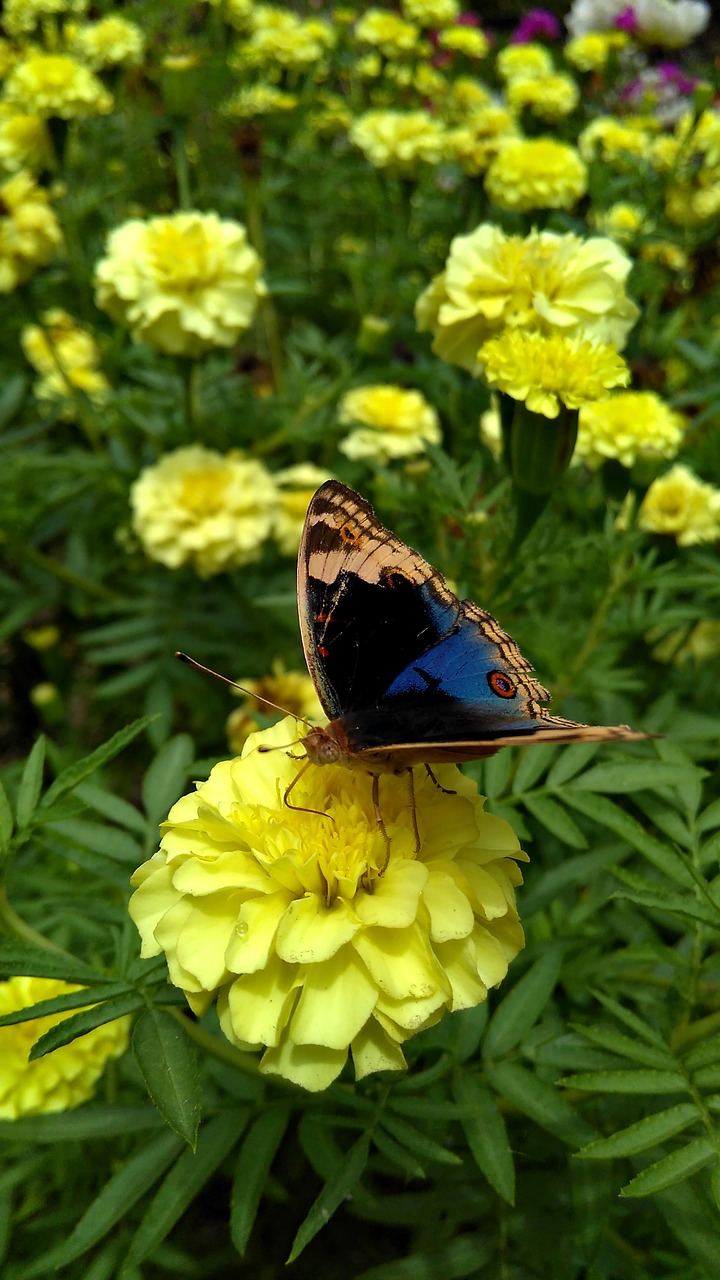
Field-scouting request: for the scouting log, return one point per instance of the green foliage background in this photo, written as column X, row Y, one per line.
column 569, row 1127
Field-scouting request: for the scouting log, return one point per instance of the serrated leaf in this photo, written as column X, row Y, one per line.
column 336, row 1189
column 523, row 1005
column 673, row 1168
column 486, row 1135
column 629, row 1019
column 540, row 1101
column 6, row 818
column 642, row 1135
column 253, row 1166
column 703, row 1053
column 415, row 1140
column 88, row 1122
column 557, row 820
column 632, row 1081
column 400, row 1156
column 571, row 761
column 166, row 777
column 610, row 815
column 637, row 1051
column 185, row 1180
column 80, row 1023
column 168, row 1062
column 533, row 762
column 81, row 769
column 21, row 958
column 61, row 1004
column 118, row 1196
column 634, row 775
column 496, row 774
column 30, row 784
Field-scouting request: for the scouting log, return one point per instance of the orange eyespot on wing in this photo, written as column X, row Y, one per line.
column 501, row 684
column 351, row 534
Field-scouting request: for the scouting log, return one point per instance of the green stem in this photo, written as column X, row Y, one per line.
column 182, row 169
column 11, row 922
column 63, row 574
column 593, row 636
column 268, row 313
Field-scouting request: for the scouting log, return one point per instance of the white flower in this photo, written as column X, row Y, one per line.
column 671, row 24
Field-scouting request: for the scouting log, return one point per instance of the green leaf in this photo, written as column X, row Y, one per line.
column 614, row 1042
column 569, row 762
column 635, row 775
column 557, row 821
column 18, row 958
column 415, row 1140
column 30, row 784
column 6, row 818
column 533, row 762
column 523, row 1005
column 76, row 773
column 486, row 1134
column 89, row 1121
column 540, row 1101
column 168, row 1063
column 61, row 1004
column 673, row 1168
column 70, row 1028
column 466, row 1255
column 186, row 1178
column 630, row 1019
column 400, row 1156
column 118, row 1196
column 108, row 841
column 631, row 1081
column 166, row 777
column 496, row 774
column 337, row 1188
column 644, row 1134
column 251, row 1171
column 112, row 807
column 610, row 815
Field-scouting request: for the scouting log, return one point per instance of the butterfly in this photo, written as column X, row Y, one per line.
column 406, row 672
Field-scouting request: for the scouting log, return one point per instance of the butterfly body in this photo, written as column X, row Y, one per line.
column 405, row 671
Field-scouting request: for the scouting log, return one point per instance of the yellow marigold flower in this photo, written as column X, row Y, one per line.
column 239, row 13
column 62, row 1079
column 293, row 691
column 331, row 115
column 59, row 340
column 524, row 60
column 627, row 426
column 315, row 941
column 430, row 13
column 62, row 386
column 24, row 141
column 399, row 140
column 20, row 17
column 546, row 372
column 536, row 173
column 465, row 98
column 682, row 505
column 621, row 221
column 591, row 52
column 388, row 32
column 391, row 422
column 183, row 283
column 295, row 487
column 111, row 42
column 547, row 97
column 29, row 230
column 616, row 141
column 196, row 506
column 469, row 41
column 544, row 281
column 476, row 142
column 689, row 204
column 259, row 100
column 279, row 38
column 54, row 84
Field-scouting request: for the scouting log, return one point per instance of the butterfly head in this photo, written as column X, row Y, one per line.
column 327, row 745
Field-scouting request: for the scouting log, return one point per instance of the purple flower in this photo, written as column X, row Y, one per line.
column 670, row 73
column 538, row 24
column 626, row 21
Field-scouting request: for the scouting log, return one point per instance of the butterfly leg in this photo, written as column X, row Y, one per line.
column 379, row 819
column 431, row 776
column 299, row 808
column 413, row 811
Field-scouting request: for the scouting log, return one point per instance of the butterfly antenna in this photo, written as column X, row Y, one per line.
column 191, row 662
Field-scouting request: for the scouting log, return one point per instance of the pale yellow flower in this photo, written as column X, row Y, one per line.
column 183, row 283
column 279, row 38
column 20, row 17
column 430, row 13
column 618, row 142
column 295, row 487
column 470, row 41
column 316, row 939
column 111, row 42
column 66, row 355
column 547, row 97
column 591, row 52
column 546, row 372
column 477, row 141
column 621, row 221
column 536, row 173
column 196, row 506
column 388, row 32
column 24, row 141
column 627, row 426
column 54, row 84
column 683, row 506
column 691, row 204
column 61, row 1079
column 292, row 691
column 668, row 255
column 239, row 13
column 464, row 98
column 491, row 429
column 524, row 60
column 29, row 230
column 259, row 100
column 390, row 422
column 400, row 140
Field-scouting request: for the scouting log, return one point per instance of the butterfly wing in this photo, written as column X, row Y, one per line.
column 398, row 661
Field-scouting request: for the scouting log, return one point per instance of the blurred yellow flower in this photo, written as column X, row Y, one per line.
column 683, row 506
column 66, row 355
column 20, row 17
column 111, row 42
column 9, row 55
column 238, row 12
column 691, row 204
column 464, row 98
column 700, row 644
column 400, row 140
column 536, row 173
column 390, row 422
column 388, row 32
column 430, row 13
column 258, row 100
column 315, row 941
column 293, row 691
column 295, row 487
column 618, row 142
column 524, row 60
column 24, row 142
column 29, row 230
column 491, row 429
column 541, row 282
column 470, row 41
column 546, row 372
column 61, row 1079
column 196, row 506
column 591, row 52
column 477, row 141
column 627, row 426
column 54, row 84
column 621, row 221
column 279, row 38
column 547, row 97
column 183, row 283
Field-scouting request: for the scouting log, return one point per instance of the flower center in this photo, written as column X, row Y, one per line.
column 181, row 258
column 204, row 491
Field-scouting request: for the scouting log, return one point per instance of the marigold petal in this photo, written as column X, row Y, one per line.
column 394, row 901
column 374, row 1050
column 232, row 870
column 250, row 944
column 459, row 962
column 403, row 1018
column 153, row 896
column 311, row 932
column 256, row 1007
column 490, row 957
column 337, row 998
column 201, row 942
column 451, row 915
column 309, row 1065
column 401, row 962
column 486, row 894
